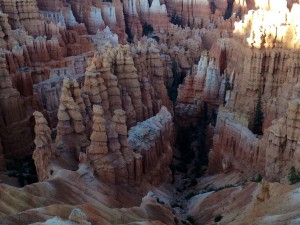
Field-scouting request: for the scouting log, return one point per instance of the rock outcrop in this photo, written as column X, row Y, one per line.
column 14, row 122
column 24, row 15
column 153, row 139
column 203, row 84
column 118, row 161
column 235, row 147
column 44, row 147
column 261, row 65
column 105, row 150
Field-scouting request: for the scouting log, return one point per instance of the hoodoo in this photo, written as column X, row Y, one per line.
column 149, row 112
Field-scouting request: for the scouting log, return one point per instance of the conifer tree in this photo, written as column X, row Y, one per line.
column 258, row 118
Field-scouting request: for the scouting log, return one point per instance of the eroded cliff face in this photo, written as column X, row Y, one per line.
column 263, row 66
column 103, row 120
column 92, row 121
column 43, row 42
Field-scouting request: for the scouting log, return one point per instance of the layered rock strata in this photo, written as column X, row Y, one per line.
column 112, row 161
column 203, row 84
column 14, row 122
column 44, row 147
column 265, row 69
column 153, row 139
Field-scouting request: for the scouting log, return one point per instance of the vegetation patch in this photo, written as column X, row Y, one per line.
column 218, row 218
column 147, row 29
column 190, row 219
column 190, row 195
column 258, row 178
column 177, row 20
column 293, row 176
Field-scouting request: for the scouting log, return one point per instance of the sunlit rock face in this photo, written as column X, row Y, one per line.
column 271, row 25
column 262, row 59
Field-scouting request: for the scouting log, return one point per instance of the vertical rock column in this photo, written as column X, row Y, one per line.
column 112, row 161
column 80, row 102
column 104, row 65
column 114, row 93
column 212, row 81
column 116, row 156
column 95, row 88
column 147, row 98
column 128, row 107
column 201, row 71
column 155, row 68
column 69, row 116
column 119, row 119
column 99, row 147
column 128, row 78
column 14, row 129
column 44, row 147
column 91, row 84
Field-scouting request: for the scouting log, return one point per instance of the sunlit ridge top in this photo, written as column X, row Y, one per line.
column 272, row 24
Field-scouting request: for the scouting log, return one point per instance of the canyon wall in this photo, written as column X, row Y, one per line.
column 264, row 69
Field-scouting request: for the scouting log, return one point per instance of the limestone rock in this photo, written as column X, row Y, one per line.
column 108, row 149
column 24, row 14
column 69, row 113
column 202, row 85
column 43, row 146
column 153, row 140
column 128, row 78
column 13, row 117
column 234, row 146
column 151, row 72
column 128, row 107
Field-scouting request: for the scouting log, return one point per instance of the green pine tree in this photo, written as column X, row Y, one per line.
column 293, row 176
column 258, row 119
column 147, row 29
column 227, row 88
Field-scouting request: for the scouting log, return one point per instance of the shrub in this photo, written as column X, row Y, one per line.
column 224, row 187
column 177, row 20
column 176, row 220
column 219, row 188
column 159, row 201
column 176, row 205
column 190, row 195
column 258, row 119
column 147, row 29
column 129, row 34
column 218, row 218
column 258, row 178
column 190, row 219
column 293, row 176
column 193, row 183
column 156, row 38
column 178, row 189
column 181, row 167
column 227, row 88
